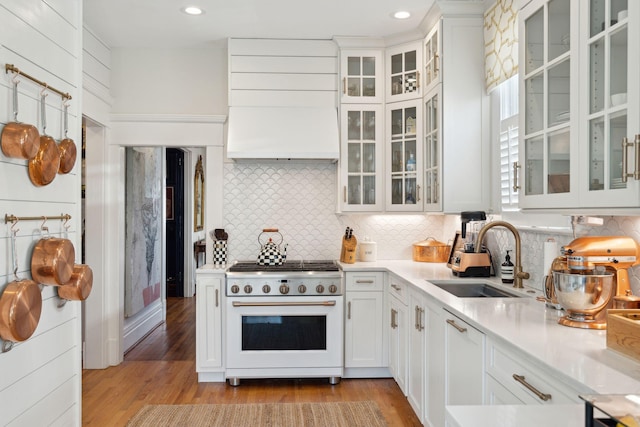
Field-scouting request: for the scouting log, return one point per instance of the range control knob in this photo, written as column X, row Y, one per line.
column 266, row 289
column 248, row 289
column 284, row 289
column 235, row 289
column 302, row 289
column 333, row 289
column 320, row 289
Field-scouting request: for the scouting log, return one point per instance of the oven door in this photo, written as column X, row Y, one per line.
column 284, row 332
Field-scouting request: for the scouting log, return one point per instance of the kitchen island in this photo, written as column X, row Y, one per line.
column 576, row 358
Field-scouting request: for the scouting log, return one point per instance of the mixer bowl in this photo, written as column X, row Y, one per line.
column 583, row 295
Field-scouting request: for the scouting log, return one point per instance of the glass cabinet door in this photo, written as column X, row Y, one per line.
column 403, row 74
column 432, row 142
column 361, row 76
column 608, row 118
column 361, row 163
column 432, row 58
column 404, row 156
column 546, row 87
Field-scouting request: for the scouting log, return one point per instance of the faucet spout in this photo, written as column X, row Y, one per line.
column 518, row 274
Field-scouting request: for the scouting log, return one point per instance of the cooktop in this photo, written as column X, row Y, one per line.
column 293, row 265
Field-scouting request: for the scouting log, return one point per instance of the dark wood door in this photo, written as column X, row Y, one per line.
column 175, row 222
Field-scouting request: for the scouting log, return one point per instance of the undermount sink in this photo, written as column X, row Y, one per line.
column 465, row 289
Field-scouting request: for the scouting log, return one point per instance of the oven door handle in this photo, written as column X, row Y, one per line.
column 283, row 304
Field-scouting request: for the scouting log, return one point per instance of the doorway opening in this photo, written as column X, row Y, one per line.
column 175, row 223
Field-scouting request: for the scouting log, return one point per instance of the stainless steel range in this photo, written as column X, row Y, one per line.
column 284, row 321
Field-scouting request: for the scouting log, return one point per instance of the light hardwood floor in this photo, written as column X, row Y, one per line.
column 161, row 370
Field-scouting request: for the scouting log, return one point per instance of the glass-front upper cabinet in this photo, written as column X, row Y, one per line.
column 361, row 72
column 432, row 147
column 403, row 65
column 361, row 167
column 548, row 104
column 404, row 156
column 432, row 58
column 610, row 64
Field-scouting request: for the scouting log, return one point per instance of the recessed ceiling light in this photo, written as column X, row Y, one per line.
column 402, row 14
column 192, row 10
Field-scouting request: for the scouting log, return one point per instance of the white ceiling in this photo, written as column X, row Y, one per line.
column 160, row 23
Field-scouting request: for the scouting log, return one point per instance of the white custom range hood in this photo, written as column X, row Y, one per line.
column 293, row 133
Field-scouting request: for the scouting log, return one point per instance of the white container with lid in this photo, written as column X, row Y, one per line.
column 368, row 250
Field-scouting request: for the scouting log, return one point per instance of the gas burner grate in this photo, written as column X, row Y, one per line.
column 294, row 265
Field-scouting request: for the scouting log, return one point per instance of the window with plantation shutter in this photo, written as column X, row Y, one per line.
column 508, row 142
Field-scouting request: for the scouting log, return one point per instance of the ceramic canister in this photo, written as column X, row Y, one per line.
column 368, row 251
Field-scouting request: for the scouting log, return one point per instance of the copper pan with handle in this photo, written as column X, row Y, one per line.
column 19, row 140
column 52, row 260
column 43, row 168
column 79, row 286
column 20, row 306
column 67, row 147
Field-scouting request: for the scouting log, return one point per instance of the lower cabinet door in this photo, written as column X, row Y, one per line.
column 363, row 334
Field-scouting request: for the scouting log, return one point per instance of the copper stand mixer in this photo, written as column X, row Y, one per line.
column 591, row 272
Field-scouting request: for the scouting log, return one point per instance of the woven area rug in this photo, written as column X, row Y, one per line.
column 347, row 414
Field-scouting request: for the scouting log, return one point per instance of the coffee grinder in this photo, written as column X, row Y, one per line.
column 465, row 262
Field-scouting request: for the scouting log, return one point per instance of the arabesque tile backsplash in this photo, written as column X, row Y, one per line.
column 300, row 200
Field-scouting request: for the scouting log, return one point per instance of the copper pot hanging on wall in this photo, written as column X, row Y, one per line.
column 43, row 168
column 67, row 148
column 19, row 140
column 20, row 308
column 52, row 261
column 79, row 286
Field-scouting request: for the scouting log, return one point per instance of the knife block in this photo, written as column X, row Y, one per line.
column 348, row 252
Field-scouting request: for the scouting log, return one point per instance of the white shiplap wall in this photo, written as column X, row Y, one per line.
column 40, row 379
column 283, row 73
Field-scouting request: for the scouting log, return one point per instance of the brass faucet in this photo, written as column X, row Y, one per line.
column 518, row 274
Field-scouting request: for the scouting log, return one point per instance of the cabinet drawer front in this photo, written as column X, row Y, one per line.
column 528, row 383
column 398, row 288
column 364, row 281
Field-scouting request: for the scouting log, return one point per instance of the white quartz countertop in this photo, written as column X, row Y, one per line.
column 579, row 357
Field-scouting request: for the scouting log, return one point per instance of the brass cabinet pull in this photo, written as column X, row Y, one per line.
column 345, row 194
column 418, row 79
column 636, row 172
column 217, row 298
column 396, row 287
column 418, row 192
column 541, row 396
column 625, row 158
column 458, row 327
column 394, row 317
column 416, row 323
column 366, row 282
column 436, row 64
column 516, row 166
column 421, row 324
column 344, row 85
column 349, row 310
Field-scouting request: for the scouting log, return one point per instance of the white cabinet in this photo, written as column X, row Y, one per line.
column 464, row 366
column 361, row 71
column 209, row 326
column 404, row 156
column 364, row 322
column 398, row 330
column 403, row 64
column 510, row 379
column 548, row 102
column 457, row 159
column 579, row 99
column 417, row 352
column 425, row 375
column 609, row 99
column 362, row 154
